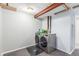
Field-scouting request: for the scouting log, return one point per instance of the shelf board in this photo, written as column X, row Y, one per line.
column 4, row 6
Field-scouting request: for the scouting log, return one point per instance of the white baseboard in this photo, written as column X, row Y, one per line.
column 2, row 54
column 72, row 51
column 68, row 52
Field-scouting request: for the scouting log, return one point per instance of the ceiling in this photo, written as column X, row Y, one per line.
column 31, row 8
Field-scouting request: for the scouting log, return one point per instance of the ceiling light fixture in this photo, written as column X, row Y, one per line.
column 29, row 8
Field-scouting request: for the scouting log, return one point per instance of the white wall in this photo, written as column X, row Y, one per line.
column 0, row 31
column 64, row 26
column 76, row 12
column 61, row 25
column 44, row 23
column 18, row 30
column 76, row 31
column 76, row 27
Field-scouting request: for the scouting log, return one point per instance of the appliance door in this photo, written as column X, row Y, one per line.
column 43, row 42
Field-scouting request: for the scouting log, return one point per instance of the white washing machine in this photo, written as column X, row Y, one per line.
column 48, row 43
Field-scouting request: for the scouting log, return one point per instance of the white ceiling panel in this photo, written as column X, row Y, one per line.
column 35, row 6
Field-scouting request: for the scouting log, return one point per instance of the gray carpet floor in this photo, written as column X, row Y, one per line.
column 24, row 52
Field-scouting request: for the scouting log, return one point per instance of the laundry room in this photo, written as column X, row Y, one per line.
column 38, row 29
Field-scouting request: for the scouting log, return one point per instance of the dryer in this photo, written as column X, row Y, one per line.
column 48, row 43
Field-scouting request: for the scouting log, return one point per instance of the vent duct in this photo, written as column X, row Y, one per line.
column 49, row 18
